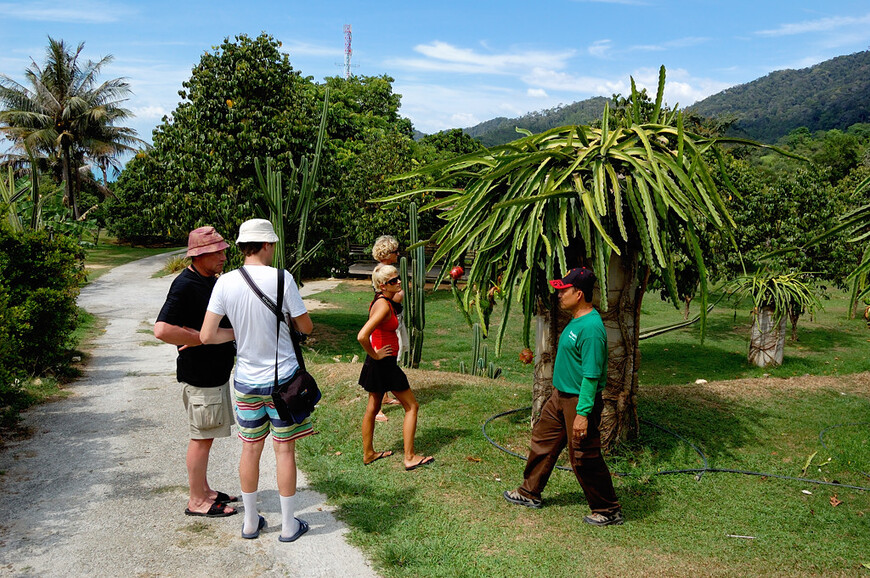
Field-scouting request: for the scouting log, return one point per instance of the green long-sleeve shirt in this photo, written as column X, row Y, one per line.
column 581, row 360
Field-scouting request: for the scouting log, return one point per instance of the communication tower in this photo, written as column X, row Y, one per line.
column 348, row 51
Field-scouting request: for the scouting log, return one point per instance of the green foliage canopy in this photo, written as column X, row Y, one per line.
column 244, row 101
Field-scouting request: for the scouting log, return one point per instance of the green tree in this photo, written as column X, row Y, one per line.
column 841, row 152
column 773, row 213
column 243, row 101
column 452, row 143
column 368, row 144
column 617, row 200
column 66, row 112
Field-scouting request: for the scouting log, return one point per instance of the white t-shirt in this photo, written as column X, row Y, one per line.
column 254, row 323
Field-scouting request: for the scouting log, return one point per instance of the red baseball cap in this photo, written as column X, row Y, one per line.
column 579, row 277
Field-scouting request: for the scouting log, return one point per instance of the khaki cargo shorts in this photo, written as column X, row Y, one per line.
column 209, row 411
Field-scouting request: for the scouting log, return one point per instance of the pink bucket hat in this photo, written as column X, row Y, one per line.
column 204, row 240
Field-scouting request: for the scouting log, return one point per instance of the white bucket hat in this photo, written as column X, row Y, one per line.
column 257, row 231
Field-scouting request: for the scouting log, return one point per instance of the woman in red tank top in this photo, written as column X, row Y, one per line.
column 381, row 372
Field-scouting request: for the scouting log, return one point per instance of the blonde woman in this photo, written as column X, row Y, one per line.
column 381, row 372
column 386, row 251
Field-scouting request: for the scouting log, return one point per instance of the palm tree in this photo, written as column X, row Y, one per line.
column 65, row 112
column 621, row 198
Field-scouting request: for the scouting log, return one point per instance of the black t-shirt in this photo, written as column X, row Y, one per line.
column 186, row 303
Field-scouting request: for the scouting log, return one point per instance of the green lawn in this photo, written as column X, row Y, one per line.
column 450, row 520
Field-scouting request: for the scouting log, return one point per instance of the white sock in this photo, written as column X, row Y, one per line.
column 252, row 518
column 288, row 508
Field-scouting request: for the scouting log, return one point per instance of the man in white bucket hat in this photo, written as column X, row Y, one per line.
column 254, row 331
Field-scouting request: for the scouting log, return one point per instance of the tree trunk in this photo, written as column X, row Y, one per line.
column 625, row 291
column 548, row 328
column 767, row 341
column 67, row 181
column 794, row 316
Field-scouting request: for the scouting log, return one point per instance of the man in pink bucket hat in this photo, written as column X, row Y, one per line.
column 203, row 369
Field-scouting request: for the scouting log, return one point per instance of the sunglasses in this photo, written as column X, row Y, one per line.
column 393, row 281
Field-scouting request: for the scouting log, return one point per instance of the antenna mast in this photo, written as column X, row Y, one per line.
column 347, row 51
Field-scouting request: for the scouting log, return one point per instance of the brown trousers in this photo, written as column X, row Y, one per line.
column 550, row 436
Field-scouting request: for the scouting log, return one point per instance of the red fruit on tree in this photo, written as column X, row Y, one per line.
column 526, row 356
column 456, row 273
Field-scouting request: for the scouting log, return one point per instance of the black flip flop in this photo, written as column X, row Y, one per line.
column 217, row 510
column 424, row 461
column 383, row 454
column 225, row 498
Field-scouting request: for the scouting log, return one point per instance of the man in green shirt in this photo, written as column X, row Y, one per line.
column 572, row 414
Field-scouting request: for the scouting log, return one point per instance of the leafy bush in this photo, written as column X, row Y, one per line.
column 39, row 283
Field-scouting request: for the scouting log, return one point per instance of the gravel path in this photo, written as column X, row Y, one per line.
column 101, row 486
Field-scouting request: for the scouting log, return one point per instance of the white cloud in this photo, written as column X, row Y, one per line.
column 307, row 49
column 681, row 88
column 444, row 57
column 433, row 107
column 606, row 49
column 150, row 113
column 584, row 85
column 464, row 119
column 537, row 93
column 69, row 12
column 820, row 25
column 600, row 48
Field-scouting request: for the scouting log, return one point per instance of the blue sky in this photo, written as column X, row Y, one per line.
column 454, row 63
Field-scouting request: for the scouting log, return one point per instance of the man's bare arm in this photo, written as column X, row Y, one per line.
column 176, row 335
column 211, row 333
column 303, row 324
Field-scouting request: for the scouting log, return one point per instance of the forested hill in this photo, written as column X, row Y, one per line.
column 501, row 130
column 832, row 94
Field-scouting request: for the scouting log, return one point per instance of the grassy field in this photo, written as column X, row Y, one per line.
column 829, row 344
column 450, row 520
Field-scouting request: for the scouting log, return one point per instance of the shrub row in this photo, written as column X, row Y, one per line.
column 40, row 277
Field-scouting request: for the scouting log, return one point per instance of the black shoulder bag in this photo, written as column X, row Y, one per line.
column 296, row 398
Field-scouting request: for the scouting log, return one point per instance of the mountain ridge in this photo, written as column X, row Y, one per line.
column 833, row 94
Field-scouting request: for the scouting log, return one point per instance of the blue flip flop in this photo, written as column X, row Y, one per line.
column 303, row 527
column 255, row 533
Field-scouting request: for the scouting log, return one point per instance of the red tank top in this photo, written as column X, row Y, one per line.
column 385, row 333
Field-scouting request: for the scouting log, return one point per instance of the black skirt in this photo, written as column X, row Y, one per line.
column 381, row 376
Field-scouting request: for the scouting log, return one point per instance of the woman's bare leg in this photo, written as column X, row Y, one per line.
column 368, row 426
column 409, row 425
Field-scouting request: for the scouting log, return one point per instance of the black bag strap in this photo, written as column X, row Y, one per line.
column 279, row 314
column 276, row 309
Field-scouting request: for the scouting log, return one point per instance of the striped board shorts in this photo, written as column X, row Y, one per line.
column 257, row 416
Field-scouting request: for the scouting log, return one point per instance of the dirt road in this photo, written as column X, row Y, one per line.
column 101, row 486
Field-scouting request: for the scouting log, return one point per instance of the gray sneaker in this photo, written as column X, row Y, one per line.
column 514, row 497
column 614, row 519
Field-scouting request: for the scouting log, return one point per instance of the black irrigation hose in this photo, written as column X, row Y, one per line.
column 697, row 471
